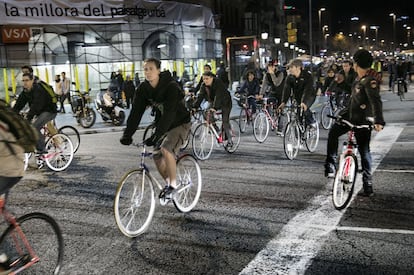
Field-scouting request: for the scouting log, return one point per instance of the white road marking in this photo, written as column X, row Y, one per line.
column 299, row 241
column 375, row 230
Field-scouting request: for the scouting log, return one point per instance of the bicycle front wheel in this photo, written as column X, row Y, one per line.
column 134, row 203
column 344, row 182
column 261, row 127
column 326, row 121
column 203, row 141
column 312, row 137
column 291, row 140
column 189, row 183
column 235, row 138
column 60, row 152
column 243, row 120
column 73, row 134
column 41, row 244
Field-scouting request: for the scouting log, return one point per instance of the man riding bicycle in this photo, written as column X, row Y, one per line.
column 172, row 120
column 365, row 103
column 299, row 85
column 42, row 107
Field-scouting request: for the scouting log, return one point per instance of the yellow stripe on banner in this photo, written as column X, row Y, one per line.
column 133, row 71
column 75, row 69
column 86, row 77
column 37, row 72
column 6, row 83
column 13, row 80
column 47, row 75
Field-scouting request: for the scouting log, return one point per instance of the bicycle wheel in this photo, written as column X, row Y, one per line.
column 134, row 203
column 344, row 182
column 243, row 120
column 261, row 127
column 60, row 152
column 312, row 137
column 203, row 141
column 401, row 90
column 44, row 238
column 326, row 121
column 189, row 183
column 26, row 160
column 149, row 131
column 73, row 134
column 291, row 140
column 235, row 138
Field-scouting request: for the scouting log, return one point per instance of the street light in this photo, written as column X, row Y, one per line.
column 277, row 42
column 364, row 29
column 376, row 33
column 320, row 32
column 394, row 18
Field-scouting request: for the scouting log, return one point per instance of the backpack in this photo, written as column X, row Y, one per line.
column 49, row 89
column 26, row 135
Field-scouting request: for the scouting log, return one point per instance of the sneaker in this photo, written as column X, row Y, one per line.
column 313, row 125
column 329, row 171
column 368, row 191
column 279, row 133
column 167, row 192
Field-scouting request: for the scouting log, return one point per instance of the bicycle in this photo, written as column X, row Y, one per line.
column 345, row 177
column 268, row 118
column 134, row 203
column 32, row 242
column 59, row 150
column 332, row 107
column 206, row 132
column 246, row 115
column 401, row 85
column 297, row 133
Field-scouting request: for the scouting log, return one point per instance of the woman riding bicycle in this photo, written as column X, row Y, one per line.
column 172, row 119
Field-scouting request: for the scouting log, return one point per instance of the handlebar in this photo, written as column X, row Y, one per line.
column 350, row 124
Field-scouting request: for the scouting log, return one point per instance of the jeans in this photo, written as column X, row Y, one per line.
column 363, row 138
column 38, row 123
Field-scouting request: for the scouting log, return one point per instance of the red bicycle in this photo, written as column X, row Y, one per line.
column 345, row 177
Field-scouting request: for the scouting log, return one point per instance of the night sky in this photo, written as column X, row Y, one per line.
column 338, row 13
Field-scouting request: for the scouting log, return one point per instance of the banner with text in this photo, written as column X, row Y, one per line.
column 26, row 12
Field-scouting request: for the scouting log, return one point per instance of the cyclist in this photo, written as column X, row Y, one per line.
column 11, row 170
column 218, row 97
column 251, row 87
column 172, row 120
column 365, row 103
column 42, row 108
column 348, row 71
column 272, row 86
column 299, row 85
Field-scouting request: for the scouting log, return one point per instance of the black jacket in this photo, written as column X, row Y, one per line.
column 167, row 99
column 365, row 100
column 39, row 101
column 218, row 95
column 302, row 87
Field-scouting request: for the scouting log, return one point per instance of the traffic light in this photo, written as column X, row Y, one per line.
column 292, row 32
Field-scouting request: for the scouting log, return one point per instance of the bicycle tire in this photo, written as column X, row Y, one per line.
column 73, row 134
column 149, row 131
column 243, row 120
column 45, row 238
column 189, row 182
column 60, row 152
column 134, row 203
column 312, row 137
column 203, row 141
column 401, row 90
column 235, row 138
column 261, row 127
column 343, row 185
column 291, row 140
column 326, row 122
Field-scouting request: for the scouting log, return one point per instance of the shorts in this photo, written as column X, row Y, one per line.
column 173, row 140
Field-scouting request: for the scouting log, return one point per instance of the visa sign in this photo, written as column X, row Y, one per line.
column 15, row 34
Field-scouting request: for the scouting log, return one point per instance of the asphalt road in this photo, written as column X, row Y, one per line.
column 259, row 213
